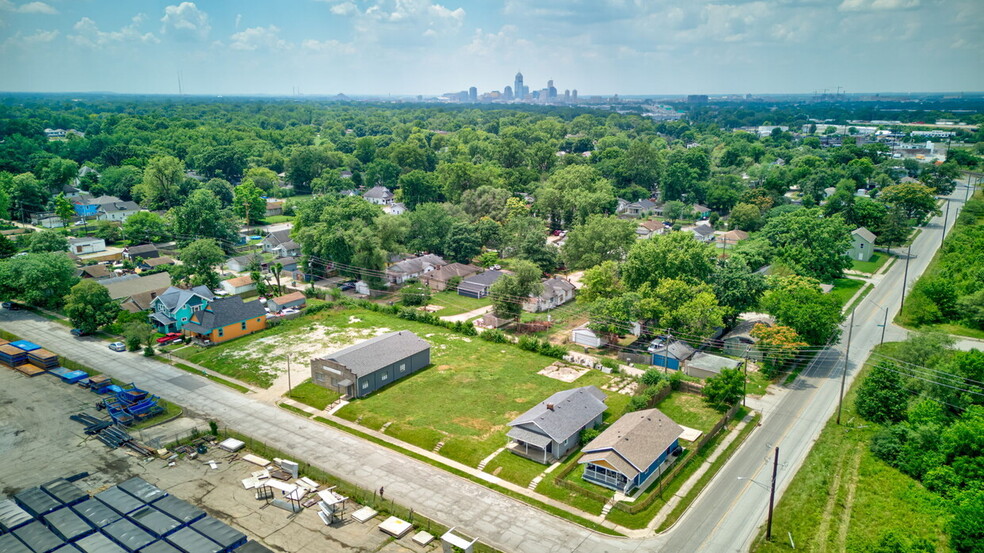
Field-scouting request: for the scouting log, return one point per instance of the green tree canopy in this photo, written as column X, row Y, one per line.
column 89, row 306
column 676, row 255
column 510, row 291
column 41, row 279
column 798, row 302
column 600, row 238
column 809, row 244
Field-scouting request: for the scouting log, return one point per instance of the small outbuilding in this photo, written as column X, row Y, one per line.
column 238, row 285
column 707, row 365
column 862, row 244
column 584, row 336
column 671, row 355
column 82, row 246
column 279, row 303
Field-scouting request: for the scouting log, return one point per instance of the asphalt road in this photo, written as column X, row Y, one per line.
column 724, row 518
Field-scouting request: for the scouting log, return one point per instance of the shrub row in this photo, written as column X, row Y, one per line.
column 543, row 347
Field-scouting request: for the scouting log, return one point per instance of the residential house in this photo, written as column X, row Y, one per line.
column 82, row 246
column 730, row 238
column 415, row 267
column 346, row 174
column 47, row 220
column 363, row 368
column 95, row 272
column 84, row 171
column 116, row 211
column 556, row 292
column 141, row 301
column 552, row 428
column 707, row 365
column 144, row 251
column 275, row 239
column 287, row 249
column 379, row 195
column 478, row 286
column 155, row 262
column 244, row 263
column 584, row 336
column 643, row 208
column 279, row 303
column 701, row 211
column 648, row 229
column 273, row 208
column 238, row 285
column 631, row 450
column 438, row 280
column 123, row 287
column 703, row 232
column 862, row 244
column 225, row 319
column 175, row 306
column 621, row 205
column 395, row 209
column 739, row 342
column 669, row 356
column 287, row 263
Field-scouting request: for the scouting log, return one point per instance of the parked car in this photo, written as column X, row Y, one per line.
column 11, row 306
column 348, row 285
column 78, row 332
column 169, row 338
column 117, row 346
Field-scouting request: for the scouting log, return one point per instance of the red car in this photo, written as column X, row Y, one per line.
column 169, row 337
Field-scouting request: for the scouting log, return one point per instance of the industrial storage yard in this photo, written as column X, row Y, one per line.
column 39, row 443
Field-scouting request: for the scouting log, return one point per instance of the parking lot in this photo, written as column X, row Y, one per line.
column 38, row 443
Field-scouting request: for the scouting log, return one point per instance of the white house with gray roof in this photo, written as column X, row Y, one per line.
column 363, row 368
column 862, row 244
column 400, row 272
column 556, row 292
column 379, row 195
column 552, row 428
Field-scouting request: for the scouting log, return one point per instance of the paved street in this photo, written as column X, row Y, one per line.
column 724, row 518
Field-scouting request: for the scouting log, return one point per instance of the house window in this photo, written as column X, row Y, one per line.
column 242, row 325
column 184, row 319
column 384, row 377
column 195, row 308
column 220, row 332
column 403, row 367
column 365, row 384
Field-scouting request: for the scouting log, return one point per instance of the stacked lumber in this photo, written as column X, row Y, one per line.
column 43, row 359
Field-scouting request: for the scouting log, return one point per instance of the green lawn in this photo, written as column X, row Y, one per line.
column 273, row 219
column 844, row 498
column 454, row 304
column 309, row 393
column 844, row 289
column 872, row 265
column 689, row 410
column 757, row 383
column 513, row 468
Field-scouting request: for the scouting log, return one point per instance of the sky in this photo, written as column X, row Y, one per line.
column 410, row 47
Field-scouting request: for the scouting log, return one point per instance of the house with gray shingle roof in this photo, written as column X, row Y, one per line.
column 225, row 319
column 478, row 286
column 363, row 368
column 629, row 451
column 862, row 244
column 556, row 292
column 552, row 428
column 175, row 307
column 379, row 195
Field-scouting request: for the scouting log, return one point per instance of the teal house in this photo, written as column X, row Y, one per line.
column 173, row 308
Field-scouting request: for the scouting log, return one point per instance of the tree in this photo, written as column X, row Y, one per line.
column 146, row 226
column 463, row 242
column 415, row 293
column 222, row 190
column 304, row 165
column 688, row 308
column 967, row 525
column 202, row 216
column 266, row 179
column 89, row 306
column 486, row 201
column 41, row 279
column 510, row 291
column 600, row 238
column 882, row 397
column 248, row 203
column 736, row 286
column 136, row 333
column 56, row 172
column 26, row 194
column 779, row 345
column 64, row 209
column 48, row 241
column 675, row 255
column 7, row 247
column 810, row 244
column 600, row 282
column 162, row 178
column 916, row 200
column 675, row 209
column 725, row 389
column 430, row 227
column 572, row 193
column 200, row 257
column 118, row 181
column 652, row 377
column 745, row 217
column 418, row 188
column 797, row 302
column 108, row 230
column 942, row 178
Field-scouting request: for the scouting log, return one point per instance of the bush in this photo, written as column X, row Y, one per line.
column 653, row 377
column 495, row 336
column 149, row 351
column 675, row 379
column 637, row 403
column 588, row 435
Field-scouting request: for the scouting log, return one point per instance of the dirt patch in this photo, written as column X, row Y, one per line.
column 477, row 424
column 562, row 372
column 431, row 308
column 442, row 368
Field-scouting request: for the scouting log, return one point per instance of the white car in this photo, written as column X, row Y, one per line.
column 117, row 346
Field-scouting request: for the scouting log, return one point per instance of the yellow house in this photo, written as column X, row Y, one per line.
column 225, row 319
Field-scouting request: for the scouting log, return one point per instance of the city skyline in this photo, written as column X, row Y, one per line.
column 423, row 47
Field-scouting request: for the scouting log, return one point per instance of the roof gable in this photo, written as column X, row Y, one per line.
column 375, row 353
column 638, row 438
column 564, row 413
column 224, row 312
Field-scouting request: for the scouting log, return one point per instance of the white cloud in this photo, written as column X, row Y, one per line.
column 877, row 5
column 186, row 20
column 239, row 19
column 255, row 38
column 30, row 7
column 89, row 35
column 345, row 8
column 328, row 47
column 26, row 41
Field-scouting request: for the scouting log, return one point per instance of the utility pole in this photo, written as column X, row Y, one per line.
column 772, row 495
column 905, row 277
column 884, row 326
column 946, row 216
column 847, row 359
column 744, row 391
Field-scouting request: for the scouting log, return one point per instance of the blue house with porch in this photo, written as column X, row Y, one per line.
column 174, row 307
column 631, row 450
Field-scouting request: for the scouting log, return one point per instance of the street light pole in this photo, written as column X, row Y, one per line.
column 905, row 277
column 772, row 495
column 847, row 358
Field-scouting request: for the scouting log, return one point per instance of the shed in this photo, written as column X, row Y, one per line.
column 584, row 336
column 238, row 285
column 98, row 543
column 65, row 491
column 670, row 356
column 142, row 489
column 96, row 513
column 188, row 540
column 38, row 538
column 12, row 516
column 67, row 525
column 279, row 303
column 36, row 502
column 177, row 508
column 220, row 532
column 155, row 521
column 707, row 365
column 119, row 501
column 128, row 535
column 81, row 246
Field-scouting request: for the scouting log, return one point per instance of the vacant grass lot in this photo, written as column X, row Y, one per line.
column 454, row 304
column 514, row 468
column 309, row 393
column 844, row 289
column 872, row 265
column 689, row 410
column 844, row 498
